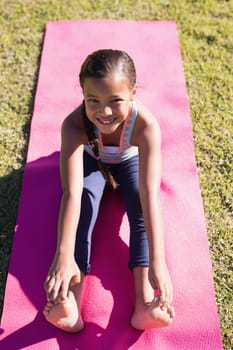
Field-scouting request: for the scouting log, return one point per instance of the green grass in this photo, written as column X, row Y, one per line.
column 206, row 32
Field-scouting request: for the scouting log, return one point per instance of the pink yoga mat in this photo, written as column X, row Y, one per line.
column 109, row 296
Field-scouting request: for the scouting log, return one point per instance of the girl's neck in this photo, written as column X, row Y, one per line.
column 114, row 138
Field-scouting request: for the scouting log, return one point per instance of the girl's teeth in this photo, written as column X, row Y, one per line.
column 106, row 121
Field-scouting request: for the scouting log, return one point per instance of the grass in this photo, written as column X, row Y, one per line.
column 206, row 31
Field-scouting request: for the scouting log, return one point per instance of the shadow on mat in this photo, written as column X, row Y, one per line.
column 33, row 250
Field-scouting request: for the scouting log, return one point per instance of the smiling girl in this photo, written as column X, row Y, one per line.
column 110, row 139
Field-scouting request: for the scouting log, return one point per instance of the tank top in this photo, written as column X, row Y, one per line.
column 118, row 154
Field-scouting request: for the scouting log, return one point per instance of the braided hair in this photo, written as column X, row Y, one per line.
column 94, row 143
column 100, row 64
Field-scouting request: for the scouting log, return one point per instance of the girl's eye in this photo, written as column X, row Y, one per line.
column 117, row 100
column 92, row 100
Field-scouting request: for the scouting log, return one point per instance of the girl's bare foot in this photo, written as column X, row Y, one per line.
column 64, row 315
column 152, row 315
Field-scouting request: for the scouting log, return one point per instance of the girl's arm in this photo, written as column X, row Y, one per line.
column 64, row 268
column 149, row 189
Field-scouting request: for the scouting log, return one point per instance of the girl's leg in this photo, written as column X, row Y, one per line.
column 66, row 315
column 147, row 313
column 94, row 185
column 126, row 174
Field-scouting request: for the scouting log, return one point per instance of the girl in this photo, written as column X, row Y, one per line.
column 110, row 138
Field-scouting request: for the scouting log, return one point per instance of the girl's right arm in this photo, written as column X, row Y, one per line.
column 64, row 267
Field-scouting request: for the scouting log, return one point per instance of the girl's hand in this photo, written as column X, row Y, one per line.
column 59, row 277
column 159, row 278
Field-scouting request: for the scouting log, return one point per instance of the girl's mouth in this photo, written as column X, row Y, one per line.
column 106, row 121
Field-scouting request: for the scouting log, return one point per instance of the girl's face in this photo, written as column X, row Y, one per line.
column 107, row 101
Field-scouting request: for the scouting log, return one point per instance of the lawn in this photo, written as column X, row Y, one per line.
column 206, row 32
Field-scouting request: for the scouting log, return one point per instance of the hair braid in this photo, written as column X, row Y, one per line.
column 94, row 143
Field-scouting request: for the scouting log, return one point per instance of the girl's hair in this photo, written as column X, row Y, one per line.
column 100, row 64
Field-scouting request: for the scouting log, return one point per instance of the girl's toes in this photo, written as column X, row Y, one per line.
column 45, row 312
column 49, row 304
column 171, row 311
column 48, row 307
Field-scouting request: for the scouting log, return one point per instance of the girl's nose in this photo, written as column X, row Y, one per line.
column 105, row 110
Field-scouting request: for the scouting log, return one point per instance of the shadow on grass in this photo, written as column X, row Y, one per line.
column 10, row 188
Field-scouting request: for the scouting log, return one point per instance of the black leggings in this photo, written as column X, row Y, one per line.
column 126, row 175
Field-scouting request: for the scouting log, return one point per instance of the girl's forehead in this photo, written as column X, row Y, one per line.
column 111, row 83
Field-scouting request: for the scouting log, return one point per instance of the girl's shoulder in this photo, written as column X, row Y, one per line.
column 146, row 123
column 73, row 127
column 145, row 116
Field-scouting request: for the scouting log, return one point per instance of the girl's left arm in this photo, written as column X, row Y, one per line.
column 149, row 191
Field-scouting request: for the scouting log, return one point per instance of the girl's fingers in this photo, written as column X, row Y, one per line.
column 166, row 297
column 56, row 289
column 46, row 283
column 63, row 292
column 53, row 290
column 163, row 295
column 49, row 283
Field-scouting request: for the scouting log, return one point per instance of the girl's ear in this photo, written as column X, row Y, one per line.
column 134, row 90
